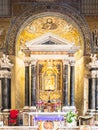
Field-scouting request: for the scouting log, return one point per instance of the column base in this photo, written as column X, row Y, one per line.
column 5, row 110
column 68, row 108
column 26, row 109
column 91, row 112
column 33, row 109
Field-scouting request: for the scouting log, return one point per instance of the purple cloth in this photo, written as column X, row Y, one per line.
column 49, row 118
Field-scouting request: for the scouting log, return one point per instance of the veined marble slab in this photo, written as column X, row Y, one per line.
column 19, row 128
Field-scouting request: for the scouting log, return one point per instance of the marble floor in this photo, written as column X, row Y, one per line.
column 36, row 128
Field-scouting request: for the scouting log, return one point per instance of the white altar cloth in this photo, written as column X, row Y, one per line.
column 36, row 114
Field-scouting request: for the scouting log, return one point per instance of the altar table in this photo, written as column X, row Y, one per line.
column 45, row 116
column 49, row 118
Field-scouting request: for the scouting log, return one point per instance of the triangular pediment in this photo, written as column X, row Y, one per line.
column 50, row 42
column 48, row 37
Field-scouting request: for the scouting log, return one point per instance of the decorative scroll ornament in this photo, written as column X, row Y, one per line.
column 5, row 62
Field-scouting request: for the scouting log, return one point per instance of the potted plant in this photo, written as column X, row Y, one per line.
column 71, row 118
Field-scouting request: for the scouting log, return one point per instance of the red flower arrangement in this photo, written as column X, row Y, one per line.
column 14, row 113
column 13, row 116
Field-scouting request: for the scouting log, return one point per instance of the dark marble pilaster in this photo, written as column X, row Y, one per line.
column 27, row 101
column 65, row 85
column 96, row 94
column 72, row 84
column 5, row 76
column 33, row 84
column 93, row 84
column 27, row 62
column 58, row 66
column 92, row 88
column 6, row 93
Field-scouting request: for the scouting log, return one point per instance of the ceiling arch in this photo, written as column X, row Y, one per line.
column 43, row 11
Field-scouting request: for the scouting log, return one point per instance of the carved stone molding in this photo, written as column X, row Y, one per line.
column 5, row 74
column 39, row 10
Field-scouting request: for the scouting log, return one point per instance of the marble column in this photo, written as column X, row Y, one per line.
column 72, row 82
column 5, row 76
column 6, row 93
column 65, row 83
column 33, row 83
column 93, row 84
column 27, row 82
column 96, row 92
column 0, row 97
column 92, row 89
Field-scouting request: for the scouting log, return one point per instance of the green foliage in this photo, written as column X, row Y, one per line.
column 70, row 117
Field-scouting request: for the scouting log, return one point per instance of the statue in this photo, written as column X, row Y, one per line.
column 93, row 58
column 4, row 61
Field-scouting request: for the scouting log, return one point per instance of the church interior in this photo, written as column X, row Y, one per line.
column 49, row 64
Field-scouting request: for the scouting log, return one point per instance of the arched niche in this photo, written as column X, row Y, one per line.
column 38, row 12
column 47, row 9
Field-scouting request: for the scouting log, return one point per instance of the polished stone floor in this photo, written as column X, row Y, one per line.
column 36, row 128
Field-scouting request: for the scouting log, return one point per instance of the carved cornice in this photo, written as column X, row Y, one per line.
column 61, row 44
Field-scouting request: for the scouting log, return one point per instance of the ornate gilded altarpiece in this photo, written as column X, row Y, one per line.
column 50, row 80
